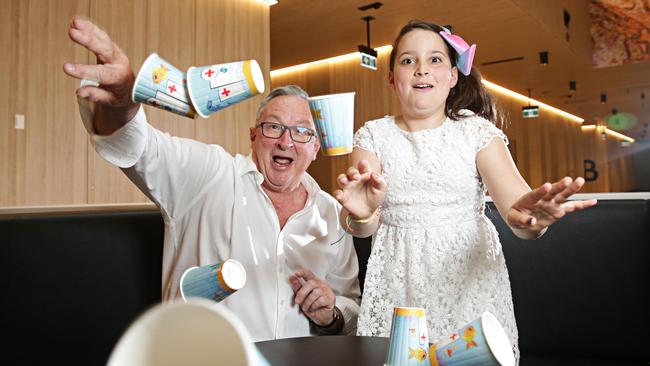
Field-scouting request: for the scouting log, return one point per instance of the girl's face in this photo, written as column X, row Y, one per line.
column 423, row 75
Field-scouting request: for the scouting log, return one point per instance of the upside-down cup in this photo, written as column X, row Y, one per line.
column 215, row 281
column 481, row 342
column 409, row 342
column 197, row 333
column 215, row 87
column 334, row 118
column 161, row 85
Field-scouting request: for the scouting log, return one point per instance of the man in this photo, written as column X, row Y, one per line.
column 263, row 210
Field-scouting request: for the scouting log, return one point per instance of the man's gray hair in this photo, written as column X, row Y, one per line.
column 293, row 90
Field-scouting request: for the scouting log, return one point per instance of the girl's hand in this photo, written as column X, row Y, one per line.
column 541, row 207
column 362, row 190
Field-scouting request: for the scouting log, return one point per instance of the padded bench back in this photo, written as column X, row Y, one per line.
column 582, row 289
column 73, row 283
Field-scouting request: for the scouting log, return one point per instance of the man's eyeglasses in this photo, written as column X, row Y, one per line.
column 276, row 130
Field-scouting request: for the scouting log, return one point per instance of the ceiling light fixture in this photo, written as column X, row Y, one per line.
column 342, row 58
column 523, row 98
column 608, row 132
column 543, row 58
column 375, row 5
column 368, row 55
column 269, row 2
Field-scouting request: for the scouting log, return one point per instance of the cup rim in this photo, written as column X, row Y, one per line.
column 497, row 339
column 189, row 91
column 180, row 283
column 137, row 77
column 327, row 96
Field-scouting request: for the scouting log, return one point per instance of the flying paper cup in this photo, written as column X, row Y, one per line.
column 481, row 342
column 334, row 118
column 215, row 87
column 215, row 281
column 409, row 342
column 162, row 85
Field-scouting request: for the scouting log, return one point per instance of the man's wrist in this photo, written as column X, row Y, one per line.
column 334, row 327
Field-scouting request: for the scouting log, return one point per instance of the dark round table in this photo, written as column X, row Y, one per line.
column 325, row 350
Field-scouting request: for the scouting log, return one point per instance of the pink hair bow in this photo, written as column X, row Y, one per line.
column 465, row 52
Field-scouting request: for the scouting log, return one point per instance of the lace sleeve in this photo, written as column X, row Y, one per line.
column 363, row 139
column 486, row 132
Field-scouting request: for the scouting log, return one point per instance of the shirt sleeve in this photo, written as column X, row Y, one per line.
column 486, row 131
column 344, row 280
column 173, row 172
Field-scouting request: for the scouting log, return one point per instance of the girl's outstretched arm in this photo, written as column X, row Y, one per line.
column 362, row 190
column 527, row 212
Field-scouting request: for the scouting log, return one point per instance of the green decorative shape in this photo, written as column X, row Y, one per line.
column 621, row 121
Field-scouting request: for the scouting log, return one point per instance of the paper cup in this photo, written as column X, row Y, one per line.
column 162, row 85
column 334, row 118
column 215, row 87
column 481, row 342
column 194, row 333
column 215, row 281
column 409, row 343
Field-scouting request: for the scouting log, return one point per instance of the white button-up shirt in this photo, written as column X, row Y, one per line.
column 214, row 209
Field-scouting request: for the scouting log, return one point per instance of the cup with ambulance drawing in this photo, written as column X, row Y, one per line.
column 481, row 342
column 162, row 85
column 215, row 281
column 215, row 87
column 409, row 342
column 334, row 118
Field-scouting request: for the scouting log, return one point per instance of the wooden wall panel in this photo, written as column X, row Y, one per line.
column 51, row 162
column 547, row 148
column 125, row 22
column 226, row 31
column 45, row 162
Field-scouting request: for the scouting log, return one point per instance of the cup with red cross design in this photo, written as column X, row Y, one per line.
column 162, row 85
column 215, row 87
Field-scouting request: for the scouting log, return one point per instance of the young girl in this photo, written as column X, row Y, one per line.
column 429, row 169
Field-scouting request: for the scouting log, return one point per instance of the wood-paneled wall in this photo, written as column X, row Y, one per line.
column 545, row 148
column 51, row 162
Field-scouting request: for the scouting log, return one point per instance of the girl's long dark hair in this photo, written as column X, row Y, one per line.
column 469, row 92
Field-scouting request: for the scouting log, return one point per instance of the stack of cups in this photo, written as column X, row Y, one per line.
column 202, row 90
column 481, row 342
column 215, row 281
column 334, row 118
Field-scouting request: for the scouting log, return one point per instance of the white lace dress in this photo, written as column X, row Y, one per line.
column 434, row 247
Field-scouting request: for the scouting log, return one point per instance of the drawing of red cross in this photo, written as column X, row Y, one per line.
column 225, row 92
column 172, row 88
column 209, row 72
column 424, row 338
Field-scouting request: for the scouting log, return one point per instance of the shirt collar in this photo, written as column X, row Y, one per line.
column 249, row 167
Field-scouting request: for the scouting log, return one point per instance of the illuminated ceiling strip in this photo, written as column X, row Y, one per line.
column 487, row 84
column 609, row 132
column 345, row 57
column 269, row 2
column 525, row 99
